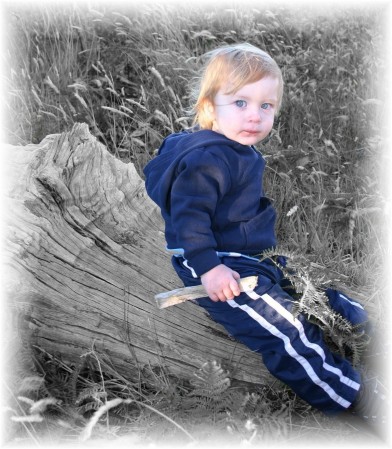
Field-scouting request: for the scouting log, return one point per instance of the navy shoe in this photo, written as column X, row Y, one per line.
column 371, row 402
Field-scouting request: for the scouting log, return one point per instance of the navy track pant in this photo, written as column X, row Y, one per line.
column 292, row 349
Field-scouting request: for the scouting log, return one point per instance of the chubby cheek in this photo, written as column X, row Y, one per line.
column 268, row 123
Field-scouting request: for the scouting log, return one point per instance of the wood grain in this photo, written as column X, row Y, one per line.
column 85, row 257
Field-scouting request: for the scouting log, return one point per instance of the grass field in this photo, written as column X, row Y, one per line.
column 126, row 71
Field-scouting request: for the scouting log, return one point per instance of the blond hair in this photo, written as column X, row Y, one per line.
column 241, row 64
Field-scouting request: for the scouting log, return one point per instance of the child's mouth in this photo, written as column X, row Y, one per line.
column 252, row 132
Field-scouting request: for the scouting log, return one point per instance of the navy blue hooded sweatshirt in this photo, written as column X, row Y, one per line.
column 209, row 190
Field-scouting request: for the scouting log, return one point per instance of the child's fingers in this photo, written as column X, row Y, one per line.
column 221, row 283
column 235, row 288
column 236, row 275
column 214, row 297
column 222, row 296
column 228, row 293
column 218, row 295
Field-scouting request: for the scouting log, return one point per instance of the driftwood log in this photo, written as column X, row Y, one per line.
column 85, row 257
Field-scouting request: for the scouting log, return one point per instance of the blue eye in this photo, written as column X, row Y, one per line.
column 241, row 103
column 266, row 106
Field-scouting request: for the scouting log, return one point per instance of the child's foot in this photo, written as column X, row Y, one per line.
column 371, row 402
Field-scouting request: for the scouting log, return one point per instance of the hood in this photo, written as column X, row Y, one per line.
column 161, row 171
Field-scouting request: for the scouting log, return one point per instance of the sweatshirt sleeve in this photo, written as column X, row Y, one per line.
column 202, row 180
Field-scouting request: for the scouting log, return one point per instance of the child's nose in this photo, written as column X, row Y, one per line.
column 255, row 114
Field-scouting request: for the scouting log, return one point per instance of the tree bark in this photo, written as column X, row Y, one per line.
column 85, row 257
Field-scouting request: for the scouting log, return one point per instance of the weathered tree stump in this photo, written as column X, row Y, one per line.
column 85, row 257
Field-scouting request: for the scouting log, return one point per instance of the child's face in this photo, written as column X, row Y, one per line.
column 246, row 116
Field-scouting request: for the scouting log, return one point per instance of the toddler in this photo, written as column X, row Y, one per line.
column 207, row 182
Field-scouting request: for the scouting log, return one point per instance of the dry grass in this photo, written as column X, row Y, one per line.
column 84, row 405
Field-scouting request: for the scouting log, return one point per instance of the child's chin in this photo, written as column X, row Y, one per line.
column 251, row 140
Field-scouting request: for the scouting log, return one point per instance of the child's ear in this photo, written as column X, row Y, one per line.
column 209, row 110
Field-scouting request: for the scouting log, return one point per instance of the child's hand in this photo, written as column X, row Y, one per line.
column 221, row 283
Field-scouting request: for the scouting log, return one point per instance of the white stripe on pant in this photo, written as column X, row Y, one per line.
column 291, row 351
